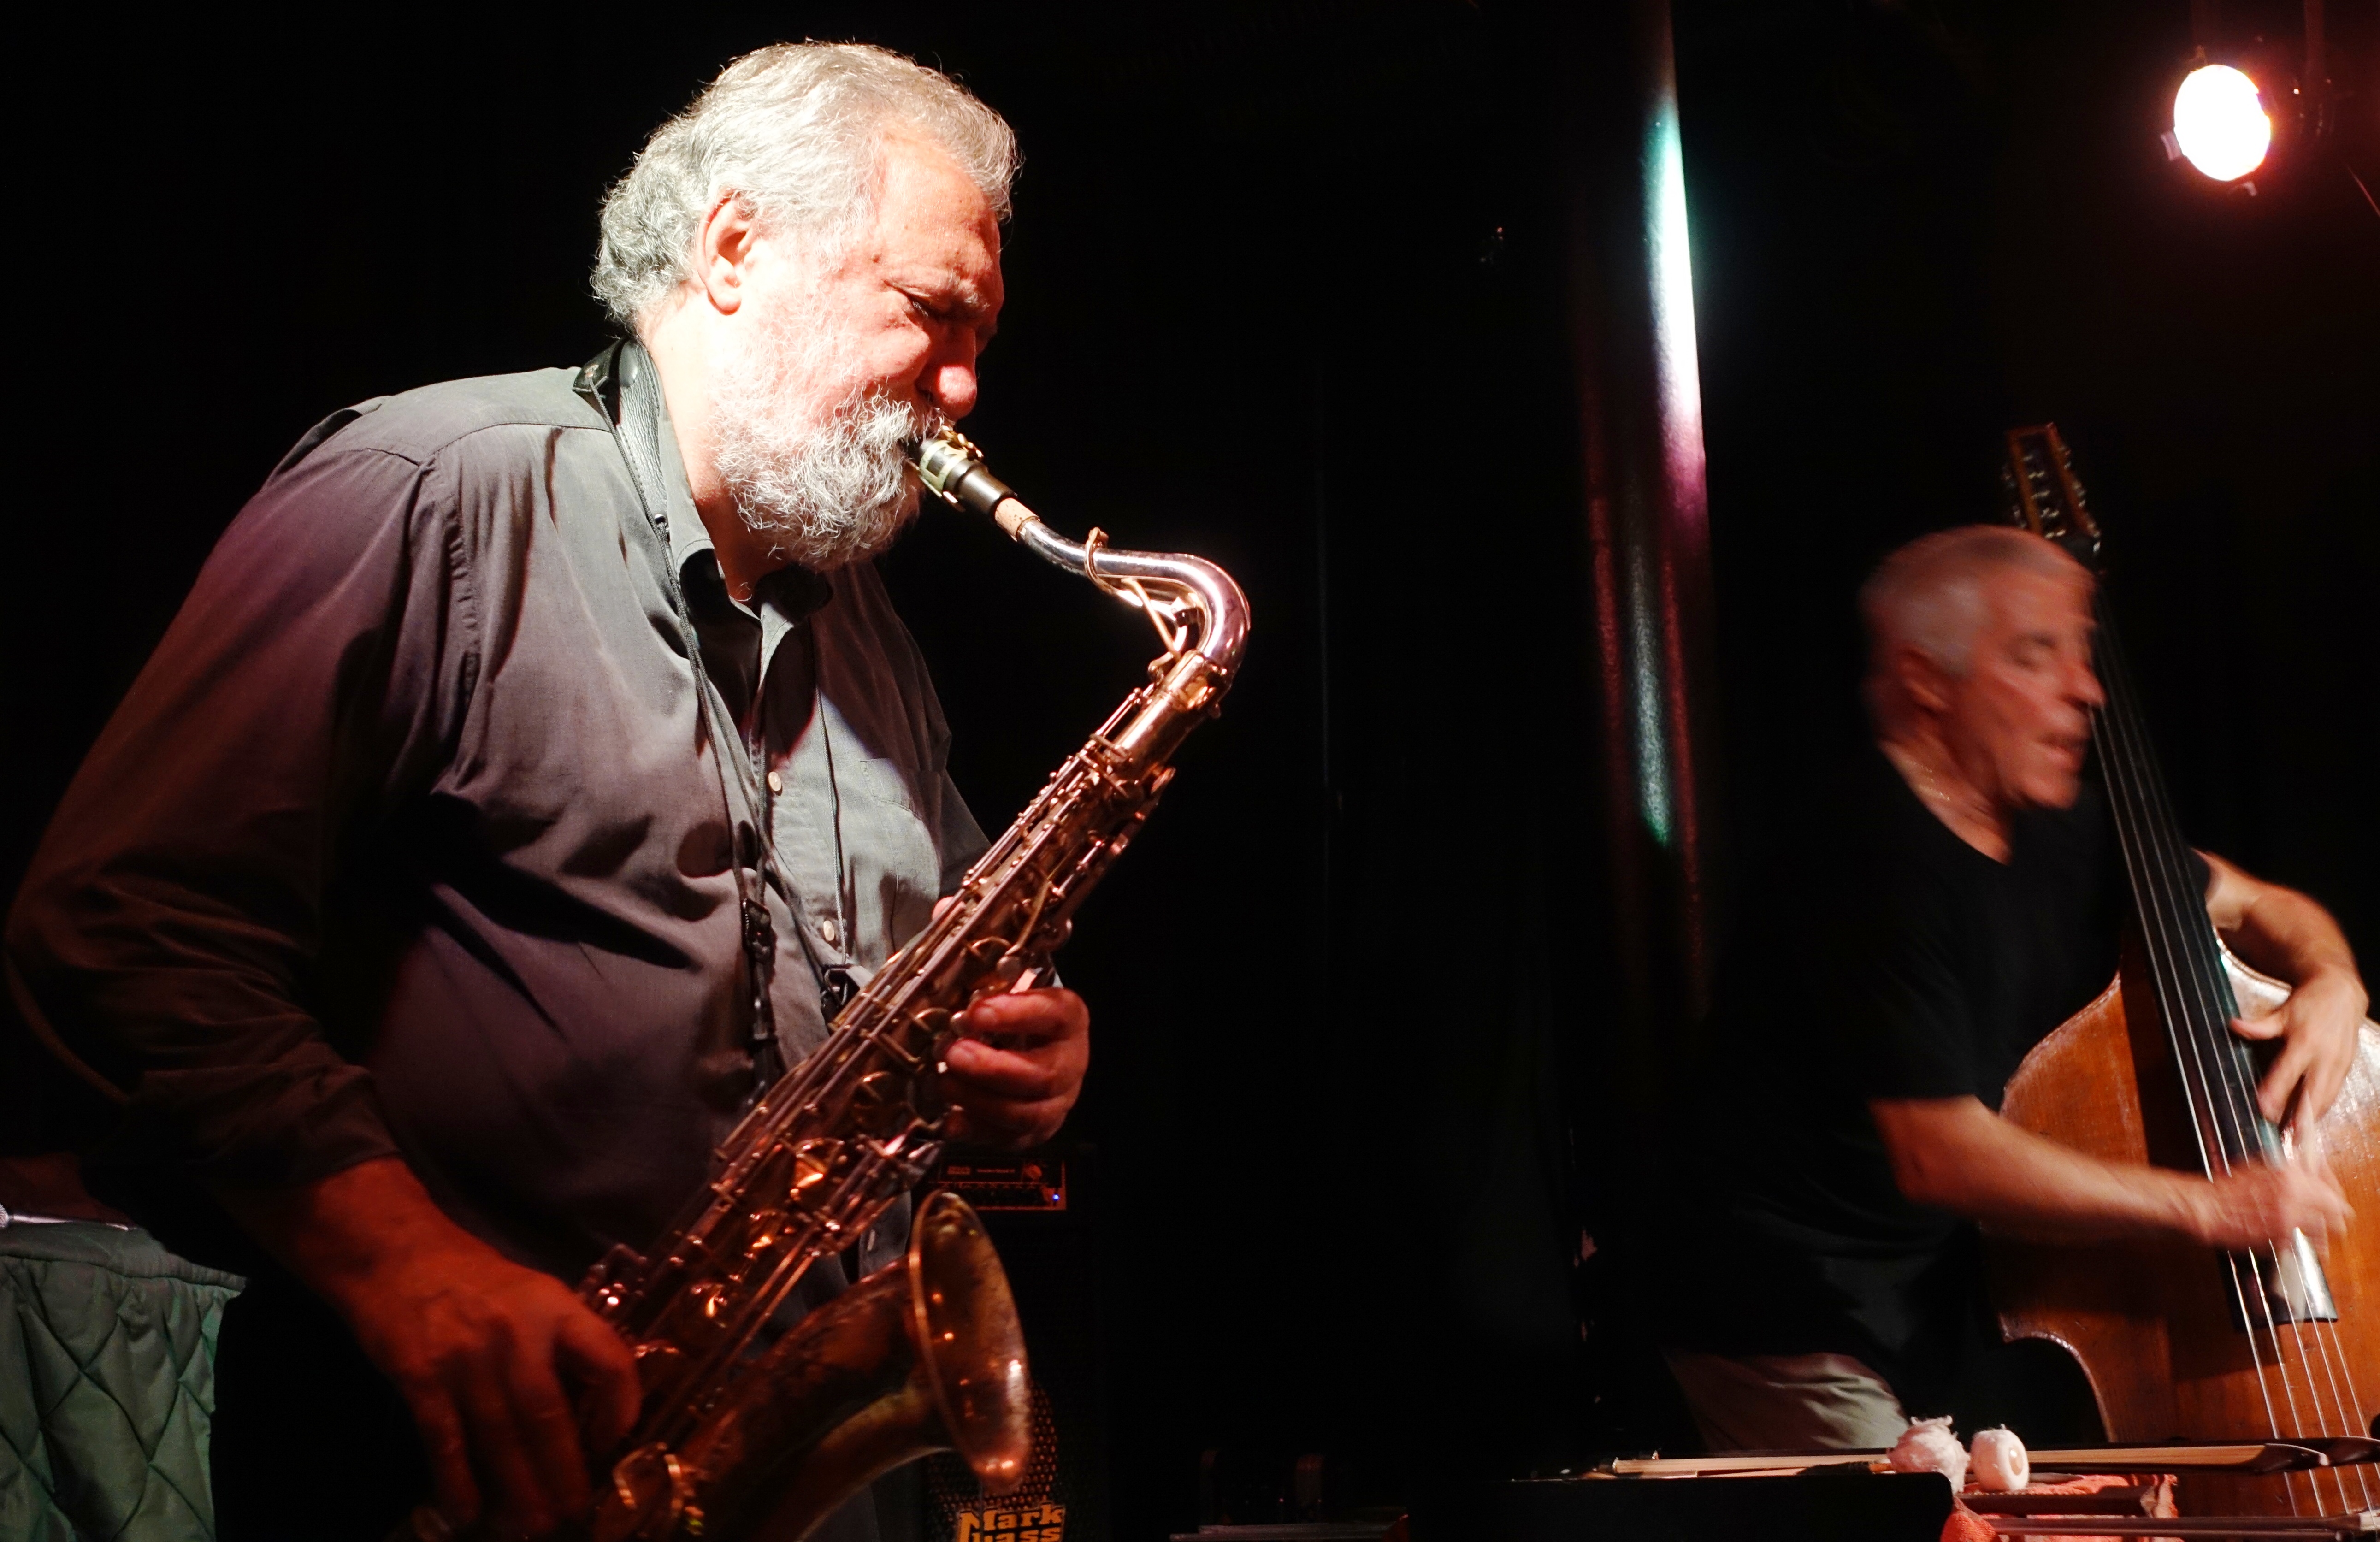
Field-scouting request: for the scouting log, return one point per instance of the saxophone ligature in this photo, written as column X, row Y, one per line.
column 741, row 1436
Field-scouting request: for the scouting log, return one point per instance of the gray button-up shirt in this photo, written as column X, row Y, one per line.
column 408, row 839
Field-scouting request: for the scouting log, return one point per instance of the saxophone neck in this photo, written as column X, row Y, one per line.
column 1194, row 604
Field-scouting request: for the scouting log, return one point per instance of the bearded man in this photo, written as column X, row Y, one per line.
column 1960, row 899
column 487, row 828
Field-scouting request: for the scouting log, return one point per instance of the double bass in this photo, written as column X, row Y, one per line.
column 2181, row 1341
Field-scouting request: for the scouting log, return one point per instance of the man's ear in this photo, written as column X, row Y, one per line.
column 1924, row 684
column 722, row 253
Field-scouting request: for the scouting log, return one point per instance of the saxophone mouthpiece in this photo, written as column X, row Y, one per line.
column 1191, row 602
column 951, row 468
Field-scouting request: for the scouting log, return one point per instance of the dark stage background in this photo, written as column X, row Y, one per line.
column 1285, row 289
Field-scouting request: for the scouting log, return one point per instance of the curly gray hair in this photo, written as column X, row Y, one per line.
column 795, row 133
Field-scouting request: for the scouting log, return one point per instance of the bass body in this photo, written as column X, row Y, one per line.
column 2153, row 1323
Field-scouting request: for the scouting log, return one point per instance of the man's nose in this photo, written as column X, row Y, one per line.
column 2085, row 685
column 949, row 381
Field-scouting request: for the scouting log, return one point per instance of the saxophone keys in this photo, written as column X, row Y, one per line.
column 998, row 963
column 709, row 1298
column 923, row 1031
column 881, row 1102
column 814, row 1162
column 650, row 1492
column 658, row 1362
column 603, row 1282
column 766, row 1227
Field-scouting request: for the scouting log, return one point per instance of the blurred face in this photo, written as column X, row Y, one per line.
column 2018, row 721
column 840, row 363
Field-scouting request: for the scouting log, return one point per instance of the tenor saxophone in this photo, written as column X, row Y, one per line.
column 739, row 1437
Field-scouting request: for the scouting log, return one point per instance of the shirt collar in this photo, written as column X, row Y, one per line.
column 688, row 537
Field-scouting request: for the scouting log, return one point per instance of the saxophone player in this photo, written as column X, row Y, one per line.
column 479, row 835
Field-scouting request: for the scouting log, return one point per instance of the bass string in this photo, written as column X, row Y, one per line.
column 2320, row 1356
column 2172, row 906
column 2165, row 933
column 2188, row 941
column 2174, row 910
column 2324, row 1360
column 2365, row 1479
column 2115, row 732
column 2326, row 1341
column 2119, row 768
column 2255, row 1286
column 2325, row 1363
column 2203, row 957
column 2174, row 925
column 2195, row 953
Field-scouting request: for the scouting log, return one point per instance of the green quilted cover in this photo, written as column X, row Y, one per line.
column 107, row 1384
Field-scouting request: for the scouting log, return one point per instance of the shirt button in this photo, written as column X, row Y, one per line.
column 776, row 783
column 826, row 929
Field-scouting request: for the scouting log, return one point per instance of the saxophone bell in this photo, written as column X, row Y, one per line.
column 925, row 1355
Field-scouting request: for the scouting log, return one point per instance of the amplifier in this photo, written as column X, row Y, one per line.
column 1039, row 1208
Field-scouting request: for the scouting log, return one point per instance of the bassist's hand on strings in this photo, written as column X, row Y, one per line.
column 1956, row 1155
column 2317, row 1028
column 2286, row 935
column 2254, row 1206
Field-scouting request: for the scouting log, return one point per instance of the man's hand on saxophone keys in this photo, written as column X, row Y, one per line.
column 1015, row 1075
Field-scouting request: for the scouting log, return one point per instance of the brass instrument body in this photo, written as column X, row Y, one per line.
column 925, row 1353
column 739, row 1437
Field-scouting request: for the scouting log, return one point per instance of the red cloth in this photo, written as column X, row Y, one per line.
column 1965, row 1525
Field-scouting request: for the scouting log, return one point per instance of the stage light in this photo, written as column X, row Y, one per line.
column 2219, row 122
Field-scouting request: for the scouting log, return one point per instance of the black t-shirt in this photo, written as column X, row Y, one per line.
column 1882, row 957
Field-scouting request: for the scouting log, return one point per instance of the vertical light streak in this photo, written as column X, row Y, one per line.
column 1653, row 791
column 1677, row 369
column 1673, row 314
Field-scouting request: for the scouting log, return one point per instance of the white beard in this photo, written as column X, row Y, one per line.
column 816, row 465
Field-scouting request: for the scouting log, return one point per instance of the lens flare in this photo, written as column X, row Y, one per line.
column 2219, row 124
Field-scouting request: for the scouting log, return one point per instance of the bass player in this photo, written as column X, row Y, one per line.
column 1960, row 901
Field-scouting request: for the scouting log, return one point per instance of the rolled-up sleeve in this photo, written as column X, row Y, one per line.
column 169, row 930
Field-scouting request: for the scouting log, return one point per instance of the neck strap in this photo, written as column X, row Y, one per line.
column 622, row 384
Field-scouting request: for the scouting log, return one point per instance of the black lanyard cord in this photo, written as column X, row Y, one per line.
column 635, row 427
